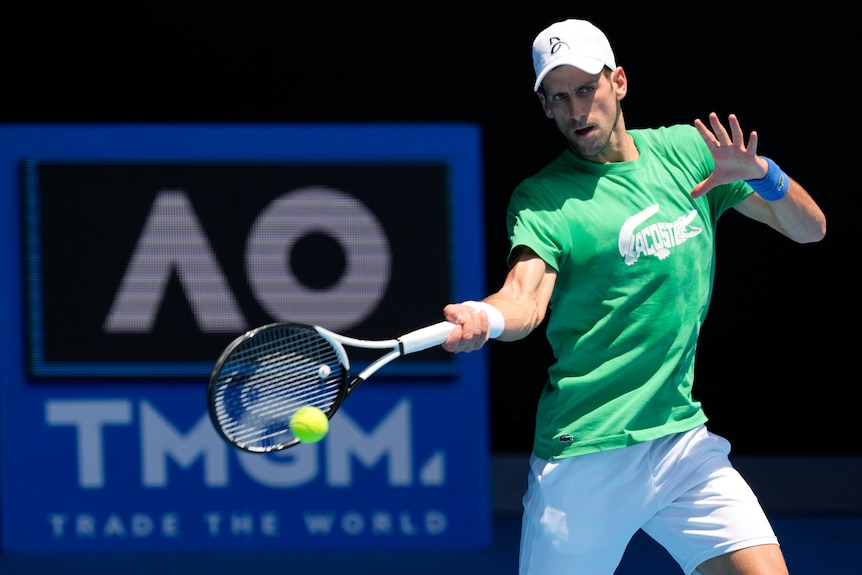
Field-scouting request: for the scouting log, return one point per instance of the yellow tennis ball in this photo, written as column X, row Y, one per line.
column 309, row 424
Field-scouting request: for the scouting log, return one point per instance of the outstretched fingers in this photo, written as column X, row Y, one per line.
column 721, row 136
column 734, row 159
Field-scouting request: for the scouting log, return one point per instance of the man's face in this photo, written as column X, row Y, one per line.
column 585, row 108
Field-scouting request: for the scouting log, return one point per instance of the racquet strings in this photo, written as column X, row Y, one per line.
column 267, row 377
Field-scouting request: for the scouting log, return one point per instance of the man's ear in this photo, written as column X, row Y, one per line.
column 620, row 82
column 544, row 103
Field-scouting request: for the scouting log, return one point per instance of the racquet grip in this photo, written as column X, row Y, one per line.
column 425, row 337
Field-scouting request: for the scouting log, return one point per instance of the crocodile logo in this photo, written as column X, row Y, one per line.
column 656, row 239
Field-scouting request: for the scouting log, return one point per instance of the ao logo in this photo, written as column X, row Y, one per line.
column 174, row 241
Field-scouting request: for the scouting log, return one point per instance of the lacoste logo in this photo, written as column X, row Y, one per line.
column 556, row 44
column 566, row 438
column 654, row 239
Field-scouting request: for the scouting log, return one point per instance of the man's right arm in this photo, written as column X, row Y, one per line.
column 522, row 300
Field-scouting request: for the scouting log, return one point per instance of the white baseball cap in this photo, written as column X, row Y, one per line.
column 577, row 43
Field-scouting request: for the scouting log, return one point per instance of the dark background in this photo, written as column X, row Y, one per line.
column 777, row 363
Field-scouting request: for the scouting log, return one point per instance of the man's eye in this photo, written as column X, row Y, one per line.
column 560, row 97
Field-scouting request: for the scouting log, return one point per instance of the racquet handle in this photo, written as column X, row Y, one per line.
column 425, row 337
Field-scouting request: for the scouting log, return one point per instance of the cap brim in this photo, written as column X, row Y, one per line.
column 588, row 65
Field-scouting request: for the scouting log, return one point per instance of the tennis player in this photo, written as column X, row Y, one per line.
column 615, row 239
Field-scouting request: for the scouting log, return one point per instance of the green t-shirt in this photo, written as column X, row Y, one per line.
column 635, row 258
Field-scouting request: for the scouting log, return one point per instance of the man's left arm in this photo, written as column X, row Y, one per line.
column 795, row 214
column 779, row 201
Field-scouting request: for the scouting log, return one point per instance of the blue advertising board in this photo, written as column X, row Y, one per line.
column 133, row 254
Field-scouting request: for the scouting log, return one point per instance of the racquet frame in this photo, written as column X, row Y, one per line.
column 264, row 376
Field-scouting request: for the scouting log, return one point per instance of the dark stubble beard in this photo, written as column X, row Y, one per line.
column 578, row 149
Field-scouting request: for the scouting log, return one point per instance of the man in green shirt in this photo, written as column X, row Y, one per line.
column 614, row 241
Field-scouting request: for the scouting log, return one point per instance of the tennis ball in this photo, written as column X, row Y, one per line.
column 309, row 424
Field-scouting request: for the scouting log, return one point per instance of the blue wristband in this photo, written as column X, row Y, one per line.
column 773, row 185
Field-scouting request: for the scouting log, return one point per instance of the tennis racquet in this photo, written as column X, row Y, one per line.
column 265, row 375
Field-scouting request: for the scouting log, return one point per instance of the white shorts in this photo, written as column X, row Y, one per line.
column 581, row 512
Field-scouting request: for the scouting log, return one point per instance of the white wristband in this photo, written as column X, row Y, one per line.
column 495, row 317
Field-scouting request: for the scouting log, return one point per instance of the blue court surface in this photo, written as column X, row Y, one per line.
column 813, row 545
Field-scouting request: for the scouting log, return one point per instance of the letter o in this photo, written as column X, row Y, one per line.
column 348, row 221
